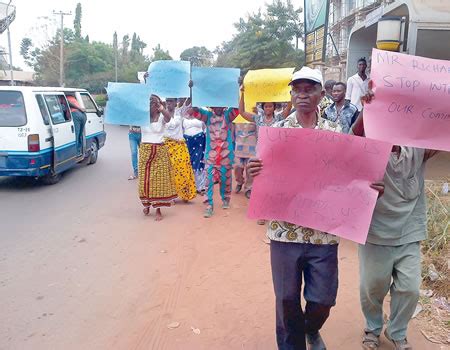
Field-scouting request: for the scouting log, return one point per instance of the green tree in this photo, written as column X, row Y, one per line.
column 284, row 21
column 159, row 54
column 264, row 40
column 125, row 46
column 26, row 46
column 77, row 22
column 87, row 64
column 198, row 56
column 115, row 42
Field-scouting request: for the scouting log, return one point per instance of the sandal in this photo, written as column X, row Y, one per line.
column 398, row 344
column 146, row 211
column 132, row 177
column 370, row 340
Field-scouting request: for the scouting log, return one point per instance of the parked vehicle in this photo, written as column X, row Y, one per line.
column 37, row 133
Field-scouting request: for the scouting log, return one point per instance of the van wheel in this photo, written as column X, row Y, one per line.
column 93, row 153
column 50, row 179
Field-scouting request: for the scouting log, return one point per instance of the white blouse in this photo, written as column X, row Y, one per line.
column 174, row 128
column 153, row 133
column 192, row 126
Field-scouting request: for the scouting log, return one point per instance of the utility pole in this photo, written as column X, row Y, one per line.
column 61, row 52
column 116, row 48
column 11, row 71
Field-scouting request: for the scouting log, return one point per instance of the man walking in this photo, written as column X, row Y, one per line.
column 390, row 261
column 298, row 252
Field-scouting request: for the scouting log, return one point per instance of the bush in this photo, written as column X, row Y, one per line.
column 100, row 100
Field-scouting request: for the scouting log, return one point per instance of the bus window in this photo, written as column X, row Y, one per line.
column 43, row 109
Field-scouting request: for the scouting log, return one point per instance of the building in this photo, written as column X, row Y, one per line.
column 352, row 28
column 21, row 78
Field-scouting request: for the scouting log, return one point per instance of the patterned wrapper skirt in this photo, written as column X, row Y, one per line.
column 196, row 145
column 182, row 169
column 156, row 179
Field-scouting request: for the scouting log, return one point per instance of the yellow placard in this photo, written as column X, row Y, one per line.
column 267, row 85
column 240, row 119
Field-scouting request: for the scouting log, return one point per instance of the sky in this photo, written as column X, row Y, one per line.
column 175, row 24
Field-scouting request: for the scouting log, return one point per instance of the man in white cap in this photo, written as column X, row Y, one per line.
column 298, row 251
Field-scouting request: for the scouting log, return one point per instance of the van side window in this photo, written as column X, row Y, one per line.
column 89, row 105
column 12, row 109
column 65, row 107
column 55, row 108
column 43, row 109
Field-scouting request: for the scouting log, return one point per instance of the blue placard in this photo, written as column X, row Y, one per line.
column 170, row 78
column 215, row 87
column 128, row 104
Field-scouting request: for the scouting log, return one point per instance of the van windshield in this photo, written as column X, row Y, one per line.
column 12, row 109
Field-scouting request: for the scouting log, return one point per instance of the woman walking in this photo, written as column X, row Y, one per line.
column 194, row 134
column 178, row 153
column 156, row 184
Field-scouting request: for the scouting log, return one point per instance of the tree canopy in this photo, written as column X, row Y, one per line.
column 265, row 39
column 198, row 56
column 87, row 64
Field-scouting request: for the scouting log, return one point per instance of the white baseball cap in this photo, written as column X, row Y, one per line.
column 308, row 74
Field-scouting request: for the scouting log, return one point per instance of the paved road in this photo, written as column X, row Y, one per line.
column 82, row 268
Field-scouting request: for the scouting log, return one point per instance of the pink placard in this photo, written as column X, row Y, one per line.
column 318, row 179
column 412, row 101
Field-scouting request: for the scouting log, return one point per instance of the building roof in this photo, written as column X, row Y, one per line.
column 18, row 75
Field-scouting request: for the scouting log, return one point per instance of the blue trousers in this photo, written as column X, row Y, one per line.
column 221, row 174
column 135, row 141
column 79, row 122
column 318, row 266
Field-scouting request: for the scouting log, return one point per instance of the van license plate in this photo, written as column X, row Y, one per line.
column 2, row 162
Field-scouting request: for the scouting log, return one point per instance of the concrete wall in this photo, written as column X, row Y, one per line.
column 427, row 31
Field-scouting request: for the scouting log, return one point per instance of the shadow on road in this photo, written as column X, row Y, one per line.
column 10, row 184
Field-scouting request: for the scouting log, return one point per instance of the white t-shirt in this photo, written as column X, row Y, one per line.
column 356, row 88
column 153, row 133
column 174, row 128
column 192, row 126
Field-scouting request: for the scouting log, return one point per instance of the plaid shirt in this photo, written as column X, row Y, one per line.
column 345, row 117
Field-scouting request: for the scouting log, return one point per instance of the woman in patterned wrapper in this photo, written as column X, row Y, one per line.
column 178, row 152
column 156, row 180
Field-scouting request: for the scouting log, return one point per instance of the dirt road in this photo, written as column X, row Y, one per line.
column 82, row 268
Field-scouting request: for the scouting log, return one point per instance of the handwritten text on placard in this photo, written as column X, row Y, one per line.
column 412, row 104
column 318, row 179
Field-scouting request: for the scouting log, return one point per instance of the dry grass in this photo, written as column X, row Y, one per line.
column 434, row 320
column 436, row 249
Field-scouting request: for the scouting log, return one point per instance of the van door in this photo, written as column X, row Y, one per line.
column 94, row 122
column 63, row 130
